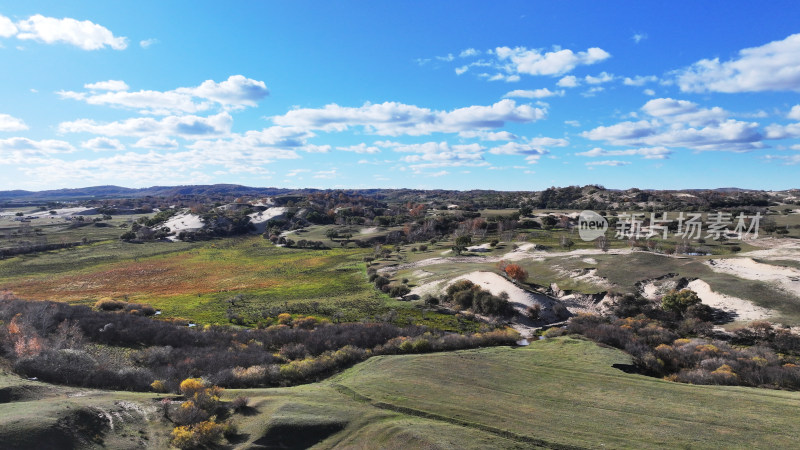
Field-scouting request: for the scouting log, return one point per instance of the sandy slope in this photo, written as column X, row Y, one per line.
column 743, row 310
column 184, row 221
column 495, row 284
column 260, row 219
column 785, row 278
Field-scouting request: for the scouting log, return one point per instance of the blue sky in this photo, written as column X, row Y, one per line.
column 454, row 95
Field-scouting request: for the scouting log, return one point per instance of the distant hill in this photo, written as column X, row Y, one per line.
column 99, row 192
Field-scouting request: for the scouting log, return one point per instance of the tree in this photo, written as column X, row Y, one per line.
column 462, row 242
column 331, row 234
column 548, row 222
column 602, row 243
column 566, row 242
column 516, row 272
column 679, row 301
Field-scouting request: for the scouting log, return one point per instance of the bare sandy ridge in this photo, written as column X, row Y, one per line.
column 184, row 221
column 520, row 299
column 785, row 278
column 742, row 309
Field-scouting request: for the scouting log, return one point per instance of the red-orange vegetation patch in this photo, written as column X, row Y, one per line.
column 157, row 277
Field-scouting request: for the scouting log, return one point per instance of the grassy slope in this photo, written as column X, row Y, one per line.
column 553, row 393
column 566, row 392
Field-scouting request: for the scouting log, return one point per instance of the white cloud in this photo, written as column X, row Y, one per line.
column 110, row 85
column 639, row 37
column 146, row 43
column 103, row 144
column 7, row 27
column 788, row 160
column 461, row 70
column 157, row 142
column 536, row 93
column 730, row 135
column 188, row 127
column 557, row 62
column 602, row 77
column 790, row 131
column 277, row 142
column 611, row 163
column 593, row 91
column 84, row 34
column 680, row 123
column 19, row 150
column 236, row 92
column 771, row 67
column 394, row 119
column 439, row 154
column 533, row 149
column 360, row 148
column 639, row 80
column 568, row 81
column 10, row 123
column 645, row 152
column 469, row 52
column 449, row 57
column 441, row 173
column 649, row 92
column 326, row 174
column 488, row 135
column 296, row 172
column 683, row 111
column 794, row 113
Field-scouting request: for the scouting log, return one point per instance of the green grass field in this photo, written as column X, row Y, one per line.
column 195, row 281
column 557, row 393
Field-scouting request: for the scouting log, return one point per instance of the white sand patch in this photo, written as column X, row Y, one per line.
column 772, row 248
column 260, row 219
column 62, row 212
column 590, row 276
column 684, row 195
column 785, row 278
column 421, row 274
column 651, row 291
column 480, row 248
column 523, row 252
column 743, row 309
column 589, row 260
column 446, row 252
column 268, row 202
column 372, row 230
column 520, row 299
column 184, row 221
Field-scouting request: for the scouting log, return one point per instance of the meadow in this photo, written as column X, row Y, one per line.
column 496, row 397
column 211, row 282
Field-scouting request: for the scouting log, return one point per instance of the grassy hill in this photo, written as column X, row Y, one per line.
column 560, row 393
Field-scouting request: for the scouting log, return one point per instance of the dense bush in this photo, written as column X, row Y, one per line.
column 464, row 294
column 77, row 345
column 659, row 350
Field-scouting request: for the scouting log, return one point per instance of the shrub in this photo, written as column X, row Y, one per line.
column 202, row 434
column 158, row 386
column 516, row 272
column 679, row 301
column 107, row 304
column 240, row 403
column 533, row 312
column 188, row 413
column 554, row 332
